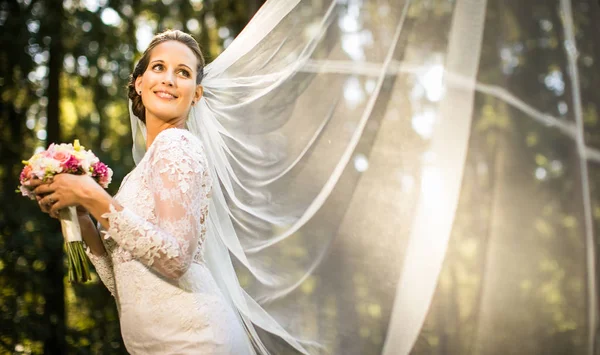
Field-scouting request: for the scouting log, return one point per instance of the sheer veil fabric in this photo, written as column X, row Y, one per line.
column 339, row 133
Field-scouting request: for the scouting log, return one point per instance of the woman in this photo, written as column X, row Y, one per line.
column 150, row 255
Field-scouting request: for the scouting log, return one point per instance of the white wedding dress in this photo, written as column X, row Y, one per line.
column 167, row 298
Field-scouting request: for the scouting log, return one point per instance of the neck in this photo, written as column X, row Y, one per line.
column 154, row 126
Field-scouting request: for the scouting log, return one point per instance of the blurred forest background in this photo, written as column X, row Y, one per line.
column 63, row 70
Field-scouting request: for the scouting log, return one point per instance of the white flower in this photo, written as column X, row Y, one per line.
column 87, row 159
column 51, row 165
column 63, row 148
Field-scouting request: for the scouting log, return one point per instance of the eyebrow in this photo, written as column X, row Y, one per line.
column 162, row 61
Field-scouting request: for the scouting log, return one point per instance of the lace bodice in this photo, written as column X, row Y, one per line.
column 165, row 200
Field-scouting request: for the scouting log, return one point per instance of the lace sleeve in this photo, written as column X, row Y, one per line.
column 103, row 265
column 181, row 187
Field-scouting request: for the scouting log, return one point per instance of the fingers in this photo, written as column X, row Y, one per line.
column 57, row 206
column 33, row 183
column 47, row 204
column 43, row 189
column 43, row 207
column 49, row 200
column 46, row 209
column 43, row 195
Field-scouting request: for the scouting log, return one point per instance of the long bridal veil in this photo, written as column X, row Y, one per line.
column 400, row 176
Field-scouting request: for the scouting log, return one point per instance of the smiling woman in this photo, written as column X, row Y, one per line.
column 172, row 67
column 169, row 86
column 158, row 221
column 151, row 254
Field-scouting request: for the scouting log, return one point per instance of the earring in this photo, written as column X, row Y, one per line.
column 193, row 102
column 140, row 92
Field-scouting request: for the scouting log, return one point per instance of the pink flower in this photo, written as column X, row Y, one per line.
column 100, row 169
column 104, row 181
column 72, row 165
column 102, row 174
column 61, row 157
column 25, row 173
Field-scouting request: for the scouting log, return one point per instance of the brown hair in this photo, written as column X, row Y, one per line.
column 169, row 35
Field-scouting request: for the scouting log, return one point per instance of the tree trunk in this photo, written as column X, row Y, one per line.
column 55, row 68
column 55, row 305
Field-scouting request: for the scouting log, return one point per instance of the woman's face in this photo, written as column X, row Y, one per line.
column 168, row 86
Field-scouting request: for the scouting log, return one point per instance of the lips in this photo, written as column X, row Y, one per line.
column 163, row 94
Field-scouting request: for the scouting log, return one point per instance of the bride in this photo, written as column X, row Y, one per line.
column 220, row 235
column 149, row 248
column 215, row 241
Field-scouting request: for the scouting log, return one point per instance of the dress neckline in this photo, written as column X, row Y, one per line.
column 159, row 134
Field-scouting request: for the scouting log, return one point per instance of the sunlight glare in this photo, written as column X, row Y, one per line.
column 432, row 80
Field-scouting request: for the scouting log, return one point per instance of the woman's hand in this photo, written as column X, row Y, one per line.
column 44, row 207
column 64, row 190
column 81, row 211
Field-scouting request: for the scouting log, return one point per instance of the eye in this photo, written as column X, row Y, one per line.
column 185, row 73
column 157, row 67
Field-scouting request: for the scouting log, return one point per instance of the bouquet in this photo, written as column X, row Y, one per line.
column 67, row 159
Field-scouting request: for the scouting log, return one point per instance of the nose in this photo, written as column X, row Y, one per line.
column 168, row 79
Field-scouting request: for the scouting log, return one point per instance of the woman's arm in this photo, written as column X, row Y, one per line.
column 90, row 234
column 180, row 185
column 97, row 202
column 96, row 251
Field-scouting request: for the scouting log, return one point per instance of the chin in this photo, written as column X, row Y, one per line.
column 166, row 114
